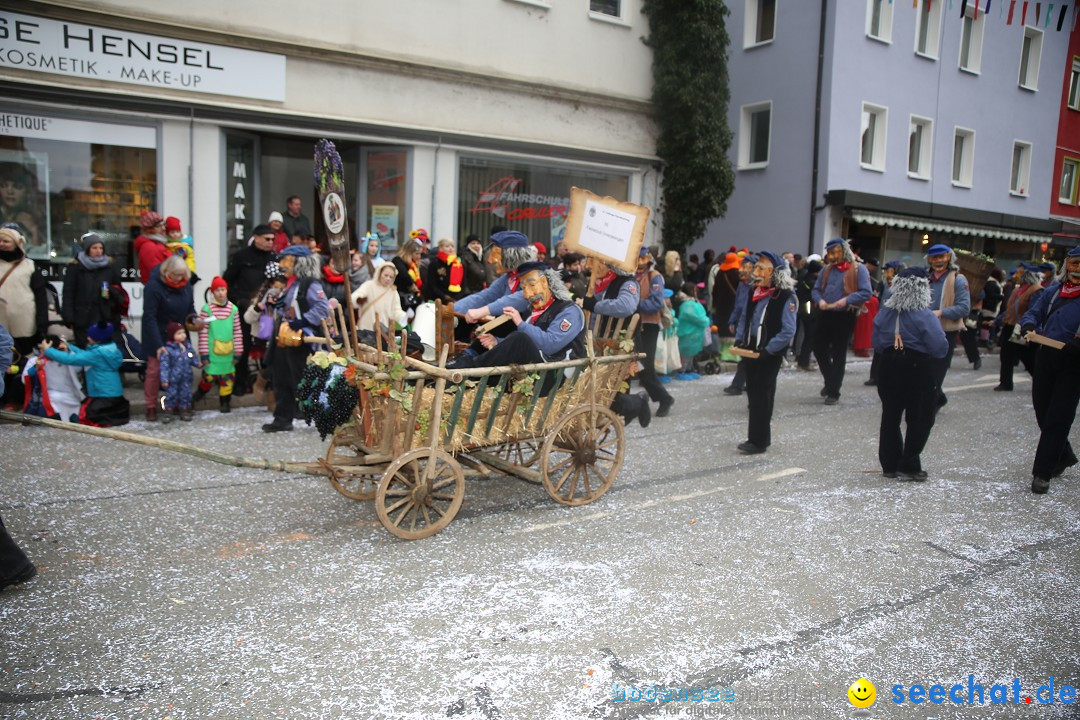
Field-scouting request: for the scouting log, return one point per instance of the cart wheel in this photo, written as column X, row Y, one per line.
column 579, row 460
column 524, row 453
column 348, row 477
column 410, row 506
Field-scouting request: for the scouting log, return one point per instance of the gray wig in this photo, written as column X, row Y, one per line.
column 307, row 266
column 558, row 289
column 782, row 278
column 515, row 257
column 952, row 261
column 909, row 292
column 849, row 256
column 1030, row 277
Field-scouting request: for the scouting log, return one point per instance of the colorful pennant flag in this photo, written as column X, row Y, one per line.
column 1023, row 13
column 1012, row 6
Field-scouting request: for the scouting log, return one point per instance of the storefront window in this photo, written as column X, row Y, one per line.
column 61, row 178
column 387, row 189
column 529, row 198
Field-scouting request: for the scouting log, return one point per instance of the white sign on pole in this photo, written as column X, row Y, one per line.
column 605, row 230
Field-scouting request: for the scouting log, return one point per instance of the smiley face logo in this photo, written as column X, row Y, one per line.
column 862, row 693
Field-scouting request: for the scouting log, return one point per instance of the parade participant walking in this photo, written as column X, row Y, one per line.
column 1055, row 389
column 650, row 307
column 766, row 327
column 742, row 293
column 615, row 295
column 809, row 312
column 908, row 339
column 105, row 405
column 950, row 301
column 244, row 275
column 1027, row 282
column 92, row 289
column 841, row 289
column 888, row 276
column 176, row 373
column 220, row 344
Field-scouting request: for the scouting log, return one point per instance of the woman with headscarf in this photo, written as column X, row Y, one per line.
column 23, row 307
column 169, row 297
column 92, row 289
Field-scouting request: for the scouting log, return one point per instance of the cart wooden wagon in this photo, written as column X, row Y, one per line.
column 418, row 429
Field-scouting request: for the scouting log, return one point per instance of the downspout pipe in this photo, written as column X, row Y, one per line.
column 810, row 243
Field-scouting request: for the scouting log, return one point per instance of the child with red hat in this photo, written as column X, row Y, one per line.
column 178, row 243
column 221, row 341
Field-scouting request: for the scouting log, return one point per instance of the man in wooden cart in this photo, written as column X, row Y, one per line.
column 551, row 329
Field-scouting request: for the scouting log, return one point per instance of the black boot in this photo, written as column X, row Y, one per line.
column 224, row 407
column 198, row 395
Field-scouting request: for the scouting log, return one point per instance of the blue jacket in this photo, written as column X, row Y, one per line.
column 691, row 328
column 162, row 305
column 779, row 342
column 919, row 329
column 496, row 297
column 176, row 363
column 834, row 289
column 1053, row 316
column 654, row 303
column 102, row 363
column 961, row 297
column 560, row 333
column 741, row 294
column 624, row 304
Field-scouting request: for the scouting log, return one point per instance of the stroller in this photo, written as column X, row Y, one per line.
column 131, row 349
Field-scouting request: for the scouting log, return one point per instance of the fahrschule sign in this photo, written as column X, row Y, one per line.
column 66, row 48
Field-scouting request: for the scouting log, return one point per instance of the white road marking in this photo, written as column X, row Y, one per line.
column 649, row 503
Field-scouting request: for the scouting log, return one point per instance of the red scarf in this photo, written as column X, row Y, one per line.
column 603, row 282
column 172, row 284
column 1069, row 290
column 457, row 272
column 514, row 281
column 331, row 276
column 762, row 292
column 538, row 313
column 843, row 267
column 414, row 273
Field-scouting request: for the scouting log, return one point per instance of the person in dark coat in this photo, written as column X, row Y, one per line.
column 245, row 273
column 92, row 289
column 808, row 312
column 445, row 274
column 1028, row 286
column 724, row 289
column 473, row 260
column 169, row 297
column 909, row 339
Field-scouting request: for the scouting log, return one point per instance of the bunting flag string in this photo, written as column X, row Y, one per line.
column 1039, row 19
column 1061, row 16
column 976, row 18
column 963, row 7
column 1012, row 7
column 1049, row 13
column 1038, row 9
column 1023, row 13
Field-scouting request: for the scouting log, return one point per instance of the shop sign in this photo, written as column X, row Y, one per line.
column 51, row 128
column 239, row 189
column 502, row 200
column 65, row 48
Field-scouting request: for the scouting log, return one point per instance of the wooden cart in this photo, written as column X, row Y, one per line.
column 415, row 435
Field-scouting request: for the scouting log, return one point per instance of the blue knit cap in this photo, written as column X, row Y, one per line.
column 777, row 261
column 100, row 333
column 1073, row 252
column 896, row 264
column 939, row 249
column 297, row 250
column 834, row 242
column 509, row 239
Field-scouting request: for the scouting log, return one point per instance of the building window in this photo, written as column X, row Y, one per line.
column 760, row 22
column 874, row 125
column 1070, row 169
column 606, row 7
column 928, row 30
column 1074, row 85
column 920, row 145
column 755, row 125
column 386, row 196
column 879, row 20
column 1030, row 55
column 1021, row 168
column 971, row 40
column 963, row 158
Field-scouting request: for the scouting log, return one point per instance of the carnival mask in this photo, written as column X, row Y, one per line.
column 939, row 262
column 763, row 273
column 1072, row 268
column 835, row 254
column 535, row 289
column 889, row 274
column 287, row 264
column 494, row 258
column 746, row 271
column 644, row 262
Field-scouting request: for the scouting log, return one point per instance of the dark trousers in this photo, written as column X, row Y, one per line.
column 941, row 367
column 875, row 366
column 808, row 324
column 286, row 369
column 906, row 386
column 761, row 391
column 244, row 378
column 830, row 347
column 739, row 381
column 1055, row 392
column 969, row 338
column 646, row 343
column 13, row 561
column 1011, row 355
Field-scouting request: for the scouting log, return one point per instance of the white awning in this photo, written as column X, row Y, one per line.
column 944, row 226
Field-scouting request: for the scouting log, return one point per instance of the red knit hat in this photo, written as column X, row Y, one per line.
column 172, row 223
column 218, row 282
column 149, row 219
column 540, row 248
column 171, row 329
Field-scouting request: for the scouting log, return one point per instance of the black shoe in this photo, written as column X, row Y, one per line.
column 665, row 407
column 832, row 399
column 977, row 365
column 942, row 401
column 749, row 448
column 274, row 427
column 1063, row 465
column 198, row 395
column 1003, row 388
column 644, row 413
column 824, row 392
column 890, row 474
column 917, row 476
column 22, row 577
column 870, row 382
column 225, row 401
column 732, row 390
column 1039, row 485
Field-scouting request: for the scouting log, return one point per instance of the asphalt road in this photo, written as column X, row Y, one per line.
column 172, row 587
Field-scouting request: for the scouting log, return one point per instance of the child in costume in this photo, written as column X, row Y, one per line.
column 178, row 243
column 176, row 375
column 105, row 405
column 220, row 342
column 53, row 390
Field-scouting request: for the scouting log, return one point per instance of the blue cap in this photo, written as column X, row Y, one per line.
column 644, row 251
column 509, row 239
column 834, row 242
column 939, row 249
column 1073, row 252
column 749, row 258
column 528, row 267
column 917, row 271
column 1048, row 267
column 101, row 332
column 776, row 260
column 297, row 250
column 1030, row 267
column 896, row 264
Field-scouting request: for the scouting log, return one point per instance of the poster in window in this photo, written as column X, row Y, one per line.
column 24, row 198
column 384, row 223
column 605, row 228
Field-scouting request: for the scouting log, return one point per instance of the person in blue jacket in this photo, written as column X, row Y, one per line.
column 746, row 273
column 767, row 327
column 1055, row 388
column 514, row 249
column 909, row 340
column 889, row 273
column 840, row 291
column 950, row 300
column 105, row 405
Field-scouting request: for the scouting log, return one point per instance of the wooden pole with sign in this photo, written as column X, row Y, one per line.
column 330, row 181
column 605, row 230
